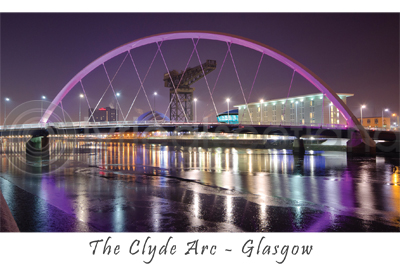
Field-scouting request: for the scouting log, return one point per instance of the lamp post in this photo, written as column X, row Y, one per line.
column 261, row 104
column 396, row 115
column 116, row 106
column 361, row 108
column 41, row 108
column 227, row 100
column 384, row 110
column 5, row 112
column 80, row 97
column 154, row 101
column 195, row 109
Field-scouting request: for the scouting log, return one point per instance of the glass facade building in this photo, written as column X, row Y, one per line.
column 312, row 109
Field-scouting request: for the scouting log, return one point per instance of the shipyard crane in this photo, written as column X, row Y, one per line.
column 179, row 85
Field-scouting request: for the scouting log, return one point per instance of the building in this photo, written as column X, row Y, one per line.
column 305, row 109
column 149, row 116
column 375, row 122
column 103, row 114
column 230, row 116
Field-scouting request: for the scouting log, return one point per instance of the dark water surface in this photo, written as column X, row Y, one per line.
column 126, row 187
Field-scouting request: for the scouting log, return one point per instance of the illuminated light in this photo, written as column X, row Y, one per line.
column 297, row 102
column 312, row 138
column 102, row 109
column 301, row 100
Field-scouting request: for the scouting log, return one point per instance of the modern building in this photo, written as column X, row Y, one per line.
column 306, row 109
column 230, row 117
column 149, row 116
column 103, row 114
column 375, row 122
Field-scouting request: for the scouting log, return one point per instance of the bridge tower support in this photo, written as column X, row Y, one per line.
column 37, row 146
column 359, row 146
column 298, row 147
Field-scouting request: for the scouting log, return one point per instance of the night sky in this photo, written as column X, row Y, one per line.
column 352, row 52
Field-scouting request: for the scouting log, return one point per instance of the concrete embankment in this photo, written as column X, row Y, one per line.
column 7, row 222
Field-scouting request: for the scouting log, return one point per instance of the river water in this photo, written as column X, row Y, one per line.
column 128, row 187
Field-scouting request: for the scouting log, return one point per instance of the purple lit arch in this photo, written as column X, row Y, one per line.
column 257, row 46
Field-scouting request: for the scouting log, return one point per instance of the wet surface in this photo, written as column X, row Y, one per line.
column 123, row 187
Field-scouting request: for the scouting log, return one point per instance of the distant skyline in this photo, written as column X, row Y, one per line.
column 354, row 53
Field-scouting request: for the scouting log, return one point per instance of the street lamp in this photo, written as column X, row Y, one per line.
column 154, row 101
column 384, row 110
column 195, row 110
column 5, row 112
column 227, row 100
column 361, row 108
column 395, row 115
column 80, row 97
column 116, row 106
column 41, row 108
column 261, row 104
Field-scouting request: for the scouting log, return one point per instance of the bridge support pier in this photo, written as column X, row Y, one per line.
column 358, row 146
column 38, row 147
column 298, row 147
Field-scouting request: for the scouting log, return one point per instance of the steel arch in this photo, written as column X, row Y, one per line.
column 288, row 61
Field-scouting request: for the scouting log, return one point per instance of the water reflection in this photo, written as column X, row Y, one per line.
column 247, row 189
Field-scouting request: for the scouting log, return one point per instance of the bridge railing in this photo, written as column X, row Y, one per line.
column 85, row 124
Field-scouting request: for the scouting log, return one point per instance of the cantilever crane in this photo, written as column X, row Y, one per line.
column 184, row 91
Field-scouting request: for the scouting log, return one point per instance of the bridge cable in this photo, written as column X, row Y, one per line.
column 141, row 82
column 87, row 100
column 219, row 73
column 180, row 80
column 62, row 109
column 172, row 81
column 284, row 108
column 115, row 95
column 205, row 78
column 254, row 80
column 107, row 87
column 240, row 84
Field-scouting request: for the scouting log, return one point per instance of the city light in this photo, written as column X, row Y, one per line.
column 41, row 107
column 5, row 112
column 362, row 107
column 154, row 101
column 80, row 96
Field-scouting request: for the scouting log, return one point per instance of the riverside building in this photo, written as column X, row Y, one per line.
column 103, row 114
column 312, row 109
